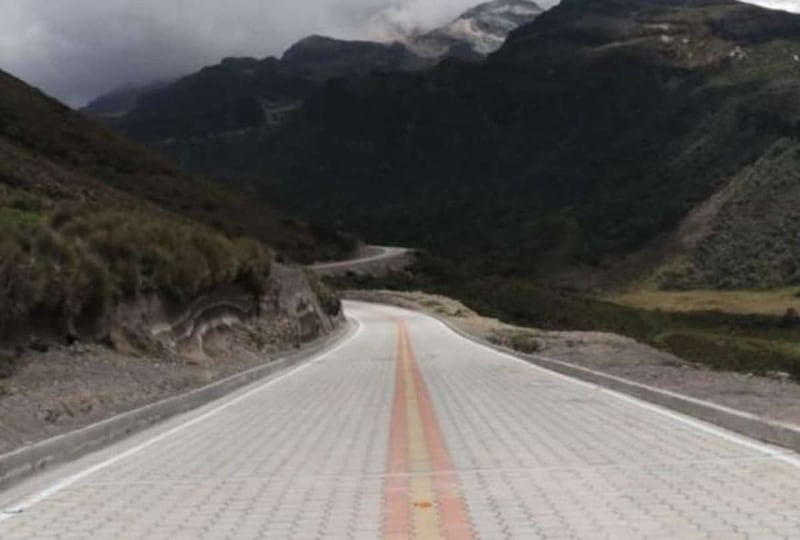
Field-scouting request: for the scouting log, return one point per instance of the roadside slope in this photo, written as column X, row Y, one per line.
column 124, row 280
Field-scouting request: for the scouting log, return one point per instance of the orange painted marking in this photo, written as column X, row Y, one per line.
column 396, row 492
column 414, row 414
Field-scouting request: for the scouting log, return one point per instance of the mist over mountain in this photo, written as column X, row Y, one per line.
column 120, row 101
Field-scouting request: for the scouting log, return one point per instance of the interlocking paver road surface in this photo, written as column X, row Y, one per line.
column 406, row 430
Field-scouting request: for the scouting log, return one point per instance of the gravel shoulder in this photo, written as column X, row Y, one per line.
column 66, row 388
column 773, row 398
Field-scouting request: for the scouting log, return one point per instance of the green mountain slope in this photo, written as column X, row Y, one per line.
column 35, row 127
column 90, row 220
column 588, row 137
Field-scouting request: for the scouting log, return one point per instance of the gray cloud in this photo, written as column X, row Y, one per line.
column 76, row 49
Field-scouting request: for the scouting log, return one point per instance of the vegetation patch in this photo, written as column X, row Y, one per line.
column 331, row 304
column 80, row 262
column 519, row 340
column 778, row 302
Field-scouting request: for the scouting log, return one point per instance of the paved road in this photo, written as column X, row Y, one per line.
column 372, row 257
column 406, row 430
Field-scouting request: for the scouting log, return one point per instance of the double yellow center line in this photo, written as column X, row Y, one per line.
column 422, row 499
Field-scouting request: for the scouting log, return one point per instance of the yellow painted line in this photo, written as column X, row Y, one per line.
column 425, row 511
column 424, row 506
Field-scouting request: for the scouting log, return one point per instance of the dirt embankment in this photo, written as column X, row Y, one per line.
column 777, row 398
column 159, row 350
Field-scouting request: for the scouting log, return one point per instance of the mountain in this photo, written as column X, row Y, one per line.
column 248, row 94
column 322, row 58
column 237, row 94
column 120, row 101
column 477, row 32
column 215, row 121
column 607, row 140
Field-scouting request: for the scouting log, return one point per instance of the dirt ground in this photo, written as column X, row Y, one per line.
column 777, row 398
column 66, row 388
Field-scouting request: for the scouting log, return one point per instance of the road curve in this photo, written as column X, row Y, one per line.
column 371, row 258
column 407, row 430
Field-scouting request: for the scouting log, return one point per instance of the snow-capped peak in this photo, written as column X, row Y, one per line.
column 483, row 28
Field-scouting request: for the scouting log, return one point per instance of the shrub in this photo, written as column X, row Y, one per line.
column 22, row 282
column 328, row 300
column 254, row 263
column 519, row 340
column 525, row 343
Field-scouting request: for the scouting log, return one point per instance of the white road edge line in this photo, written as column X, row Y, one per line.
column 65, row 483
column 784, row 455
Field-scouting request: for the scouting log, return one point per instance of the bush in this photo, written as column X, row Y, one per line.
column 254, row 263
column 22, row 282
column 328, row 300
column 518, row 340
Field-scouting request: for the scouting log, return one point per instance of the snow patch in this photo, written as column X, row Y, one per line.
column 484, row 28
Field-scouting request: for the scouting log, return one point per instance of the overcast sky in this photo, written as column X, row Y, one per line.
column 77, row 49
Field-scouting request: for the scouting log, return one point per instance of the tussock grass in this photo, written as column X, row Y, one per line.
column 83, row 261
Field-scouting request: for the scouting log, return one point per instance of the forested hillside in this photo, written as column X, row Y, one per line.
column 588, row 137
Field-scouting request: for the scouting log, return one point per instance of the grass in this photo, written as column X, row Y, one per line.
column 329, row 301
column 12, row 216
column 750, row 343
column 81, row 262
column 519, row 340
column 767, row 302
column 19, row 207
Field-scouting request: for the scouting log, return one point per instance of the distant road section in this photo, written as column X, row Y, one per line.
column 373, row 260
